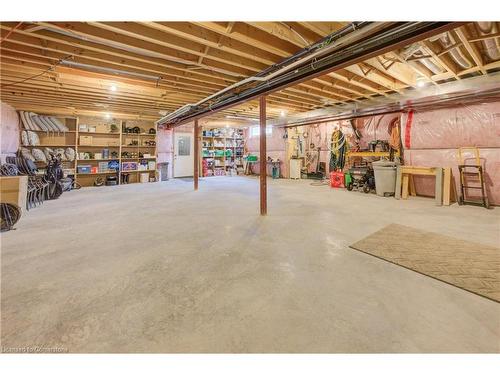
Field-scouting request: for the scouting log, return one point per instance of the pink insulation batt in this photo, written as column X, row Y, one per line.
column 435, row 136
column 9, row 130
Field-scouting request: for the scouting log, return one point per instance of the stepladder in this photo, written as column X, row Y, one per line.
column 471, row 178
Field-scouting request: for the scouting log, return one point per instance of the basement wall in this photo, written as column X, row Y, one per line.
column 9, row 131
column 165, row 144
column 434, row 139
column 275, row 149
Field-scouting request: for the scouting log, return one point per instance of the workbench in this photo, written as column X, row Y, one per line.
column 405, row 185
column 371, row 154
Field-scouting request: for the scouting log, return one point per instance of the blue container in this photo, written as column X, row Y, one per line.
column 84, row 168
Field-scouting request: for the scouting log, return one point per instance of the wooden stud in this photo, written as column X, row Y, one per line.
column 439, row 186
column 404, row 194
column 447, row 187
column 196, row 154
column 413, row 191
column 263, row 156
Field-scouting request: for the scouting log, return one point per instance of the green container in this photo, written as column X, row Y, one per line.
column 347, row 179
column 252, row 158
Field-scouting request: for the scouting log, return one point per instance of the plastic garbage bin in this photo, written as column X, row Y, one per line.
column 385, row 177
column 163, row 168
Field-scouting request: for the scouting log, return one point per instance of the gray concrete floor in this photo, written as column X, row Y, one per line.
column 161, row 268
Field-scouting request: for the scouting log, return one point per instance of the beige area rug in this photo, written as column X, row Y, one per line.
column 467, row 265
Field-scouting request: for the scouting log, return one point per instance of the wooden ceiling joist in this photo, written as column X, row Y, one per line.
column 161, row 66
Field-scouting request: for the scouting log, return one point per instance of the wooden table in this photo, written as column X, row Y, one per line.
column 405, row 185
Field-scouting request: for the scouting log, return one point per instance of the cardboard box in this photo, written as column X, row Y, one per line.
column 102, row 128
column 14, row 189
column 86, row 140
column 106, row 141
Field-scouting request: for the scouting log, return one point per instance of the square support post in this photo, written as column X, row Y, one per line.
column 263, row 156
column 196, row 152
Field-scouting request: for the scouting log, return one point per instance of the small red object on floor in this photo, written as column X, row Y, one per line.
column 336, row 179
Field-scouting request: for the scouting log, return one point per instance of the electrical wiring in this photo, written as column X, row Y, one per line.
column 37, row 75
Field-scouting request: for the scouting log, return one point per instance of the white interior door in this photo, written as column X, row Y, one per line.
column 183, row 155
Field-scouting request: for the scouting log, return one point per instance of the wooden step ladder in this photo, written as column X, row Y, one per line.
column 470, row 172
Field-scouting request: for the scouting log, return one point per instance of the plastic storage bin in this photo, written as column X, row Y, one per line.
column 385, row 177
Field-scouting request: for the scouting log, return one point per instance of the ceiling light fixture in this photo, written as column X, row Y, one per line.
column 107, row 115
column 113, row 88
column 283, row 113
column 420, row 82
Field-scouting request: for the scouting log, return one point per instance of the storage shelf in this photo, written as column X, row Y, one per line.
column 94, row 146
column 371, row 154
column 93, row 174
column 137, row 170
column 70, row 138
column 51, row 132
column 97, row 133
column 128, row 146
column 60, row 145
column 150, row 158
column 98, row 159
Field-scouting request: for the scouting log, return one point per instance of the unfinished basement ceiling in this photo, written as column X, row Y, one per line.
column 161, row 66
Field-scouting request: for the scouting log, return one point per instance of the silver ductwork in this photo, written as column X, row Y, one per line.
column 415, row 50
column 491, row 46
column 447, row 41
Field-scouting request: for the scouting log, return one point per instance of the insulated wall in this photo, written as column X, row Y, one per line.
column 432, row 138
column 9, row 131
column 371, row 128
column 165, row 145
column 275, row 148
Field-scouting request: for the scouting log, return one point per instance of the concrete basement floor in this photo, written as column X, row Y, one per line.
column 161, row 268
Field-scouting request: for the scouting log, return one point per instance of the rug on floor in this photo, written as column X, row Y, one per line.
column 467, row 265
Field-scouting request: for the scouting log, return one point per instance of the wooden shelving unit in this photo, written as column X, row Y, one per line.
column 53, row 140
column 221, row 148
column 117, row 144
column 136, row 145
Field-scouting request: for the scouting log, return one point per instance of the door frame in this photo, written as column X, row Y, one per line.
column 174, row 147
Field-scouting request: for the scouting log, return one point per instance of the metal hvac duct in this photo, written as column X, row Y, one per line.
column 490, row 45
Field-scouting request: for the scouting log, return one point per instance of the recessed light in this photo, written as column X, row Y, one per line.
column 282, row 113
column 113, row 88
column 107, row 115
column 420, row 83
